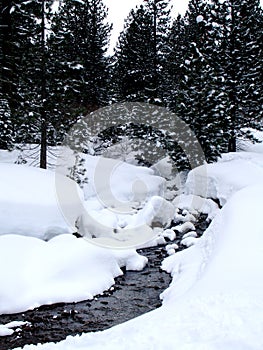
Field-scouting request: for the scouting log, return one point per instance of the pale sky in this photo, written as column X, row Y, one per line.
column 119, row 10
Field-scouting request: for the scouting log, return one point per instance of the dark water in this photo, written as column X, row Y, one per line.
column 134, row 293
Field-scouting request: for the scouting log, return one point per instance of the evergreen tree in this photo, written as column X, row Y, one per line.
column 141, row 51
column 211, row 86
column 25, row 85
column 191, row 74
column 172, row 71
column 6, row 130
column 5, row 115
column 78, row 45
column 132, row 58
column 240, row 65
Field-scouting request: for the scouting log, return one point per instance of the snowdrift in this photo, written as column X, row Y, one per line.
column 28, row 202
column 64, row 269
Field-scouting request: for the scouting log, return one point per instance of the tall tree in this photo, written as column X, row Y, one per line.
column 240, row 65
column 140, row 52
column 25, row 83
column 78, row 44
column 5, row 114
column 213, row 91
column 191, row 73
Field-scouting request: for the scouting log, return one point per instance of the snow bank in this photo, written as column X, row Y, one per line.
column 64, row 269
column 121, row 201
column 227, row 258
column 28, row 202
column 114, row 183
column 224, row 178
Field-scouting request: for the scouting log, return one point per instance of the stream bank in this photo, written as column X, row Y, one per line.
column 133, row 294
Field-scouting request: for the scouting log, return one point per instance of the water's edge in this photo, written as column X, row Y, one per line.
column 134, row 293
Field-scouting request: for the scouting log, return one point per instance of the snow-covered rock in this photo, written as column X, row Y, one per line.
column 189, row 241
column 185, row 227
column 11, row 327
column 194, row 204
column 170, row 234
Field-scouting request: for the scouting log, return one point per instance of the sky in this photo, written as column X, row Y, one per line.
column 119, row 10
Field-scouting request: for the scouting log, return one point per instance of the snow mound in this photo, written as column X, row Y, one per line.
column 28, row 202
column 221, row 180
column 227, row 257
column 123, row 202
column 64, row 269
column 118, row 184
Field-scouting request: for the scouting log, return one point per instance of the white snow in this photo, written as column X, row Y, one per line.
column 215, row 300
column 221, row 180
column 28, row 202
column 189, row 241
column 185, row 227
column 7, row 329
column 123, row 202
column 190, row 234
column 199, row 18
column 170, row 234
column 64, row 269
column 194, row 204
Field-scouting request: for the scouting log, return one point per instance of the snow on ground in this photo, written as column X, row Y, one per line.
column 222, row 179
column 65, row 269
column 194, row 204
column 121, row 201
column 215, row 301
column 34, row 209
column 28, row 202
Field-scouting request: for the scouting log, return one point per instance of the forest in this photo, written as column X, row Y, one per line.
column 205, row 66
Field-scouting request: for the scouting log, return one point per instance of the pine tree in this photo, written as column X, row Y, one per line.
column 132, row 58
column 172, row 70
column 159, row 11
column 216, row 78
column 140, row 53
column 78, row 45
column 25, row 83
column 17, row 22
column 240, row 66
column 5, row 115
column 6, row 130
column 191, row 74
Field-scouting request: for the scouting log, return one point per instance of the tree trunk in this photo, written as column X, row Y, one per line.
column 43, row 142
column 232, row 147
